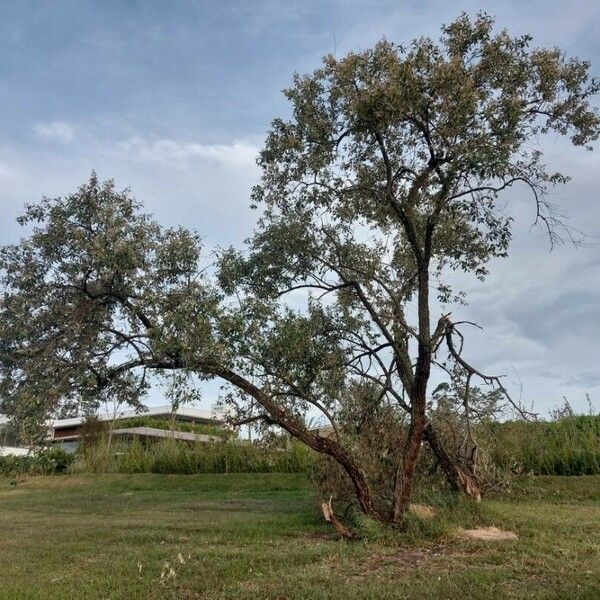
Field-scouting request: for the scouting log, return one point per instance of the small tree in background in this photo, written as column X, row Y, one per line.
column 180, row 390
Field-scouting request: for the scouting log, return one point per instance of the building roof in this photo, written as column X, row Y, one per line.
column 164, row 433
column 184, row 413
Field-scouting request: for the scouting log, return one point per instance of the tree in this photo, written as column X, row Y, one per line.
column 388, row 176
column 99, row 298
column 385, row 179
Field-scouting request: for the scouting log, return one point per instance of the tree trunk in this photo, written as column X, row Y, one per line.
column 458, row 478
column 406, row 471
column 418, row 391
column 323, row 445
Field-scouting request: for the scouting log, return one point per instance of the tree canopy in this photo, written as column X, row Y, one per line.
column 388, row 176
column 385, row 179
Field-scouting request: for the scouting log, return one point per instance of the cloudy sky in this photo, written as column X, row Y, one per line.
column 173, row 100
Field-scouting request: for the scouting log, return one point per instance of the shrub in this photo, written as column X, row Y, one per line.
column 49, row 461
column 169, row 456
column 375, row 431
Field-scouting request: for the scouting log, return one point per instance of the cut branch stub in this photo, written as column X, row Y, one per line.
column 335, row 522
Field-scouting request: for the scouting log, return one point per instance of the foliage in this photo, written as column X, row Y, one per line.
column 70, row 286
column 49, row 461
column 170, row 456
column 387, row 176
column 373, row 429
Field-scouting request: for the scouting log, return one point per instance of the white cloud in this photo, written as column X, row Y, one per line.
column 238, row 154
column 54, row 131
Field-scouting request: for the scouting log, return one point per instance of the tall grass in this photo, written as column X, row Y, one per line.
column 177, row 457
column 567, row 446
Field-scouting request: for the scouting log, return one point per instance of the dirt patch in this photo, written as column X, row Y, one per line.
column 487, row 534
column 422, row 511
column 400, row 562
column 403, row 559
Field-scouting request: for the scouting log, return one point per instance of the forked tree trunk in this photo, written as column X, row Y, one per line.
column 459, row 479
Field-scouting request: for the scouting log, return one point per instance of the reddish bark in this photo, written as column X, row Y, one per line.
column 323, row 445
column 458, row 478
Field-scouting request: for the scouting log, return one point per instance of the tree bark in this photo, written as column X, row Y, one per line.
column 418, row 393
column 406, row 471
column 323, row 445
column 459, row 479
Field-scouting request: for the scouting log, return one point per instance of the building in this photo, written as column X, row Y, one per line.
column 68, row 432
column 8, row 440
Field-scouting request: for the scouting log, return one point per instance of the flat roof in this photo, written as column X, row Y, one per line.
column 165, row 433
column 184, row 412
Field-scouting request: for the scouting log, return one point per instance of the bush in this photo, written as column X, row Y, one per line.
column 49, row 461
column 169, row 456
column 375, row 431
column 569, row 445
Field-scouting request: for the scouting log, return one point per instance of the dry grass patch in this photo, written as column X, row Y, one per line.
column 490, row 534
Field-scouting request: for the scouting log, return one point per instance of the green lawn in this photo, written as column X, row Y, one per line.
column 259, row 536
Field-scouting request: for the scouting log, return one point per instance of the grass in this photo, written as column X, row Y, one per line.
column 569, row 445
column 169, row 456
column 259, row 536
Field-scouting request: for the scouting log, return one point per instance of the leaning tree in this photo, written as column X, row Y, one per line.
column 99, row 301
column 385, row 179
